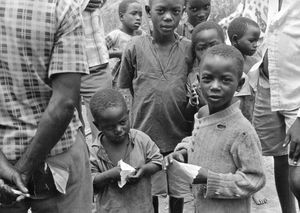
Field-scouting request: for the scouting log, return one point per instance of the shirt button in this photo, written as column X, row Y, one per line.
column 217, row 193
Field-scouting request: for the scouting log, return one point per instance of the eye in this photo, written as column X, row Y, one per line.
column 206, row 7
column 226, row 80
column 193, row 9
column 160, row 11
column 206, row 78
column 176, row 12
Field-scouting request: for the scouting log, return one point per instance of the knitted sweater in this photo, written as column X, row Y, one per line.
column 227, row 145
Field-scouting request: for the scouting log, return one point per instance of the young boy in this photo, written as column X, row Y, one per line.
column 223, row 142
column 154, row 68
column 116, row 142
column 130, row 14
column 244, row 34
column 198, row 12
column 205, row 35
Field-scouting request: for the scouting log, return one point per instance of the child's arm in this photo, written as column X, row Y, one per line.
column 128, row 68
column 153, row 160
column 115, row 54
column 100, row 175
column 145, row 171
column 249, row 177
column 104, row 178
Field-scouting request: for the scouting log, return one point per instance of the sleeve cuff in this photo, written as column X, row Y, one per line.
column 213, row 183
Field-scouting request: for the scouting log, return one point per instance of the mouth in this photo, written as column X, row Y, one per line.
column 214, row 98
column 137, row 24
column 167, row 28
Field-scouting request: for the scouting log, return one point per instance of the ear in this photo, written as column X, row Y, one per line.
column 234, row 40
column 121, row 15
column 148, row 10
column 240, row 84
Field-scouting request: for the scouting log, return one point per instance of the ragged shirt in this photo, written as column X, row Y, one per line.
column 159, row 93
column 135, row 198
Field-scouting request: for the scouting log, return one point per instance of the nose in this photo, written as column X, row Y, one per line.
column 215, row 85
column 168, row 16
column 118, row 129
column 202, row 14
column 255, row 44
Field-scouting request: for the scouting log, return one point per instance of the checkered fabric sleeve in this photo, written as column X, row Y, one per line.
column 37, row 40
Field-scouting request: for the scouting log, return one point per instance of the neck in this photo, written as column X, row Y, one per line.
column 121, row 144
column 127, row 30
column 163, row 39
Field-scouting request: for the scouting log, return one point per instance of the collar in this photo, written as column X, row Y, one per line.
column 178, row 38
column 102, row 154
column 203, row 117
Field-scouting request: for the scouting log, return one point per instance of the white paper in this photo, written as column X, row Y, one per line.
column 180, row 177
column 126, row 170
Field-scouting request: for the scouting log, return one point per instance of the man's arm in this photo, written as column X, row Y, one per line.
column 53, row 123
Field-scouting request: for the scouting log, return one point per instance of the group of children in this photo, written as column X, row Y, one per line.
column 191, row 101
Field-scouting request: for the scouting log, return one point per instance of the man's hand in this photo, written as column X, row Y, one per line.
column 94, row 4
column 293, row 137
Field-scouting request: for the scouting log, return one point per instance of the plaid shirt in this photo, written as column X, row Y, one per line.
column 38, row 39
column 97, row 52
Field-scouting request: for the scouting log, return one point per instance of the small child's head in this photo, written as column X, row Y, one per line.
column 197, row 11
column 110, row 114
column 244, row 34
column 130, row 13
column 205, row 35
column 220, row 77
column 165, row 15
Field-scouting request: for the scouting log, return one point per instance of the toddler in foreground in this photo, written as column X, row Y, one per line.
column 116, row 142
column 223, row 141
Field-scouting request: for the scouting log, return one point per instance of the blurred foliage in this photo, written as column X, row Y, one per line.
column 220, row 9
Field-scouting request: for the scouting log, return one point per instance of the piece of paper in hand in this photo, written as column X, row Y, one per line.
column 180, row 177
column 126, row 170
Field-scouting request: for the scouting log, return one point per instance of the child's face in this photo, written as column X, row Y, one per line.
column 165, row 16
column 205, row 39
column 114, row 124
column 219, row 79
column 132, row 19
column 198, row 11
column 248, row 43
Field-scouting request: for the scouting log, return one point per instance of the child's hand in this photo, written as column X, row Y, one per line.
column 135, row 177
column 115, row 173
column 173, row 156
column 194, row 99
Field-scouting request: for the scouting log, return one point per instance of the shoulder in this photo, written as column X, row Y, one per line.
column 243, row 129
column 139, row 136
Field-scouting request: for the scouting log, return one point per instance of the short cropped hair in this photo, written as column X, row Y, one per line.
column 104, row 99
column 151, row 1
column 207, row 25
column 123, row 6
column 227, row 51
column 239, row 26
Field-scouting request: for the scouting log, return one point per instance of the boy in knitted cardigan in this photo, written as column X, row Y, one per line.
column 223, row 141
